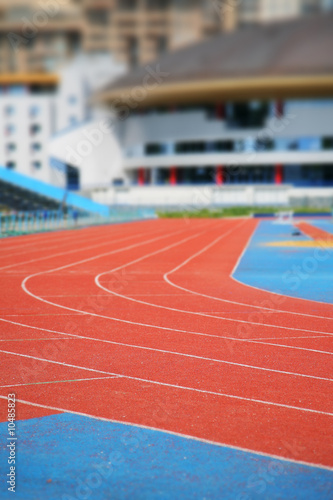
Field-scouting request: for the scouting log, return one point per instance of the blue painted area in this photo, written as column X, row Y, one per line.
column 52, row 192
column 66, row 457
column 294, row 271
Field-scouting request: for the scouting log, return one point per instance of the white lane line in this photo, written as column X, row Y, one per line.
column 175, row 386
column 67, row 365
column 58, row 381
column 95, row 257
column 170, row 329
column 164, row 431
column 28, row 340
column 101, row 315
column 79, row 313
column 300, row 337
column 192, row 356
column 224, row 318
column 203, row 250
column 175, row 353
column 76, row 250
column 155, row 326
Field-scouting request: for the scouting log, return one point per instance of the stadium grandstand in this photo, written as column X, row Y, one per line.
column 247, row 115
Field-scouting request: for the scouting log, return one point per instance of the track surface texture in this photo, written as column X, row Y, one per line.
column 169, row 359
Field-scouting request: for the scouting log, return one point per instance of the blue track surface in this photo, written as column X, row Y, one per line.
column 294, row 271
column 102, row 460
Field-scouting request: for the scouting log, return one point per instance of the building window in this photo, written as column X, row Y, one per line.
column 161, row 45
column 133, row 50
column 17, row 90
column 37, row 165
column 264, row 144
column 35, row 128
column 36, row 146
column 250, row 6
column 10, row 129
column 11, row 147
column 99, row 17
column 223, row 146
column 11, row 165
column 127, row 4
column 190, row 147
column 158, row 4
column 196, row 175
column 309, row 144
column 154, row 149
column 72, row 99
column 34, row 111
column 118, row 182
column 247, row 114
column 327, row 143
column 9, row 110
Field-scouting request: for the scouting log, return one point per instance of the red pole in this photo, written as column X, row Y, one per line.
column 220, row 111
column 141, row 176
column 279, row 108
column 173, row 176
column 219, row 175
column 278, row 174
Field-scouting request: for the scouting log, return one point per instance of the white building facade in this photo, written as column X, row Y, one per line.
column 36, row 110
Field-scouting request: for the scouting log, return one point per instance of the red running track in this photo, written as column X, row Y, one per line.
column 142, row 323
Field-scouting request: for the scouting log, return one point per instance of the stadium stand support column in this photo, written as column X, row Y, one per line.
column 219, row 175
column 141, row 176
column 220, row 111
column 173, row 176
column 278, row 174
column 279, row 108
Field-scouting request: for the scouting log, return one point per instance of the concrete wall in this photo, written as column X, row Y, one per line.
column 190, row 197
column 93, row 149
column 301, row 119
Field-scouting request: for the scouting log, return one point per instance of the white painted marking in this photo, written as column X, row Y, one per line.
column 175, row 386
column 164, row 431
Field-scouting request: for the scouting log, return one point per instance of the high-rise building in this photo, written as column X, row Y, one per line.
column 35, row 108
column 263, row 11
column 247, row 116
column 40, row 35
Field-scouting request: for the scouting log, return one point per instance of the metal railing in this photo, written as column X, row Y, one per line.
column 16, row 223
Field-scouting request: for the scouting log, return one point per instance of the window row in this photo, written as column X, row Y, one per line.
column 243, row 145
column 34, row 129
column 11, row 147
column 36, row 165
column 33, row 110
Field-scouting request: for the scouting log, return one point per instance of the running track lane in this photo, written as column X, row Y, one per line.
column 183, row 372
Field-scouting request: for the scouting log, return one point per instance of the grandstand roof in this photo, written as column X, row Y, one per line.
column 283, row 59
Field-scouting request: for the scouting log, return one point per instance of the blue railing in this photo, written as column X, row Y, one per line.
column 16, row 223
column 52, row 192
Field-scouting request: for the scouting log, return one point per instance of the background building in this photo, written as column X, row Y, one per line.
column 40, row 36
column 185, row 130
column 247, row 114
column 35, row 108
